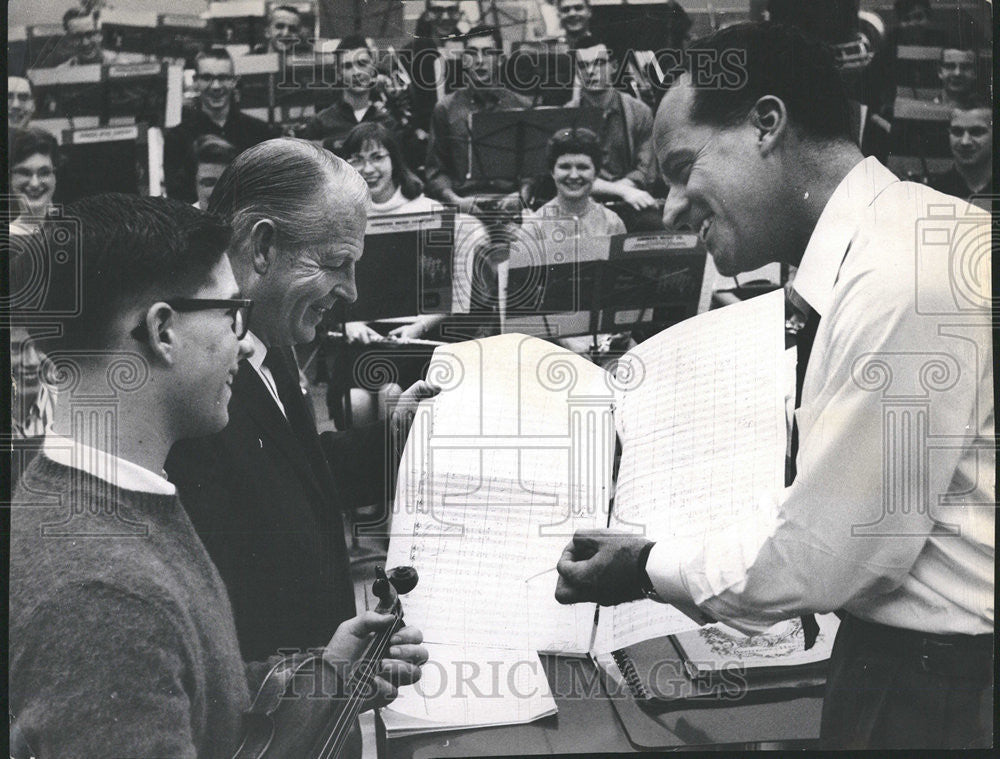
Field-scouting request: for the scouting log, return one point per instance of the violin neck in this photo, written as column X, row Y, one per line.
column 358, row 687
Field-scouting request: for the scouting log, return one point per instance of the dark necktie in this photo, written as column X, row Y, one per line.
column 286, row 381
column 803, row 347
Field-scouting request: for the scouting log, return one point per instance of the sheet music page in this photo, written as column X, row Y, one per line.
column 513, row 457
column 701, row 419
column 466, row 686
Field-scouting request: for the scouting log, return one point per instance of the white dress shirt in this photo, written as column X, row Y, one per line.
column 256, row 360
column 891, row 514
column 104, row 466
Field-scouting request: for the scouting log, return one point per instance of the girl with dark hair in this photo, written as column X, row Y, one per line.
column 34, row 155
column 574, row 157
column 375, row 153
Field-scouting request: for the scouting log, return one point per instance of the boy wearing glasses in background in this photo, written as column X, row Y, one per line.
column 970, row 135
column 214, row 112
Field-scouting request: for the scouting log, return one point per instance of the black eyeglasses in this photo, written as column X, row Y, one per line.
column 974, row 131
column 238, row 307
column 209, row 78
column 444, row 10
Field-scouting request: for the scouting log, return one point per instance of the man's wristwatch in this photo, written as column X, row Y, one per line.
column 645, row 584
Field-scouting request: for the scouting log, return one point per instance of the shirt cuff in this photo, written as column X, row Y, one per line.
column 664, row 570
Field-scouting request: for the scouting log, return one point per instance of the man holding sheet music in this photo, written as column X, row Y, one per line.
column 890, row 517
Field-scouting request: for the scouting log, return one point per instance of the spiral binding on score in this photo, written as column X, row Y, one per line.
column 627, row 667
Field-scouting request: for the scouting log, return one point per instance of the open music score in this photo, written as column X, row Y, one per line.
column 516, row 453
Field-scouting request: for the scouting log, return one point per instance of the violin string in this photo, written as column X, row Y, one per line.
column 374, row 655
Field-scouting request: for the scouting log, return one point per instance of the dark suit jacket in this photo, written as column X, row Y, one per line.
column 268, row 505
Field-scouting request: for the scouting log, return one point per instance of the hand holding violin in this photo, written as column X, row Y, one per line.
column 402, row 663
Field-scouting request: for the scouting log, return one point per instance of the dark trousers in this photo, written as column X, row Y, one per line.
column 893, row 688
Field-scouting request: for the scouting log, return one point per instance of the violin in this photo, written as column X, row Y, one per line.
column 286, row 719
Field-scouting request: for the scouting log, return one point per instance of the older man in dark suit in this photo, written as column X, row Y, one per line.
column 267, row 493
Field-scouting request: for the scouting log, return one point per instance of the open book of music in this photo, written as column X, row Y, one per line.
column 517, row 453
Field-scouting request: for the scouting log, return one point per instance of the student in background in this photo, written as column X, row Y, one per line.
column 574, row 159
column 970, row 136
column 212, row 155
column 358, row 101
column 20, row 101
column 284, row 32
column 214, row 112
column 85, row 38
column 627, row 170
column 448, row 149
column 574, row 18
column 957, row 72
column 34, row 157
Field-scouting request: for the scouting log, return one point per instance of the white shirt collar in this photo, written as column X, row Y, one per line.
column 126, row 475
column 835, row 229
column 256, row 358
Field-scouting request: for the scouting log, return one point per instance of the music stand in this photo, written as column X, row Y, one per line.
column 68, row 97
column 105, row 159
column 660, row 271
column 522, row 134
column 406, row 268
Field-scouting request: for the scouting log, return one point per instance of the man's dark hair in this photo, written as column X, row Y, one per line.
column 73, row 13
column 128, row 248
column 736, row 66
column 481, row 30
column 587, row 41
column 903, row 7
column 28, row 141
column 287, row 9
column 210, row 148
column 574, row 141
column 353, row 42
column 216, row 53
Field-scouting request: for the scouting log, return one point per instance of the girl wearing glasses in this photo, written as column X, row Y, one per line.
column 34, row 155
column 375, row 154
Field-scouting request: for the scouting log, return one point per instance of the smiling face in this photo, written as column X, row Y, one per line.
column 215, row 82
column 374, row 164
column 971, row 137
column 357, row 70
column 302, row 284
column 574, row 174
column 20, row 102
column 34, row 181
column 574, row 15
column 207, row 358
column 283, row 29
column 958, row 72
column 720, row 186
column 86, row 37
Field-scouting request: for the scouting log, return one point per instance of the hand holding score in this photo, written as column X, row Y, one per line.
column 405, row 408
column 603, row 567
